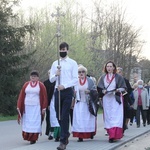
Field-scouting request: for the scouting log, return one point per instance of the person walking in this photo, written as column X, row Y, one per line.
column 68, row 75
column 31, row 106
column 53, row 119
column 84, row 123
column 148, row 111
column 52, row 125
column 110, row 87
column 133, row 112
column 141, row 103
column 50, row 90
column 126, row 100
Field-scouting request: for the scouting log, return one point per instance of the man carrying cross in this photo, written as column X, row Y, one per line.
column 68, row 76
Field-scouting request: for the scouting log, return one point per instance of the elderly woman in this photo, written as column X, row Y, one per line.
column 141, row 103
column 31, row 106
column 84, row 123
column 110, row 86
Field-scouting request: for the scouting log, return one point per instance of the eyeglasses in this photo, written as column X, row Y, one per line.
column 81, row 71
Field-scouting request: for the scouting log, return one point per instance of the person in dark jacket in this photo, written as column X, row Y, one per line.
column 127, row 100
column 50, row 90
column 148, row 111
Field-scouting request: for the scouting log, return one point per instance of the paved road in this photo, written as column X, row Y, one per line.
column 139, row 143
column 11, row 138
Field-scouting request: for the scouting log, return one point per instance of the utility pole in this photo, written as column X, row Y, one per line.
column 58, row 34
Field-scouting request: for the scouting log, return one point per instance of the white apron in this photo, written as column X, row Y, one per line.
column 31, row 119
column 83, row 120
column 53, row 119
column 113, row 112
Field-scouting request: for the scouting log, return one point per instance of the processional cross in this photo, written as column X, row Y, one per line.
column 58, row 34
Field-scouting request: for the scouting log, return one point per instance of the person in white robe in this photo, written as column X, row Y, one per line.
column 54, row 121
column 31, row 106
column 84, row 123
column 110, row 87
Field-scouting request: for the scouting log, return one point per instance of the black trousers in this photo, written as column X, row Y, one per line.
column 71, row 116
column 133, row 114
column 65, row 104
column 143, row 113
column 48, row 126
column 148, row 116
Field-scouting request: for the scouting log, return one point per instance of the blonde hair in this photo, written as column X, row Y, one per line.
column 140, row 81
column 81, row 67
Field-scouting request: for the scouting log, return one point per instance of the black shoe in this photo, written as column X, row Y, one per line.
column 80, row 140
column 92, row 137
column 138, row 126
column 131, row 123
column 61, row 146
column 111, row 140
column 32, row 142
column 67, row 140
column 144, row 125
column 50, row 137
column 57, row 139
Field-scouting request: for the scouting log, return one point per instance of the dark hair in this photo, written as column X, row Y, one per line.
column 63, row 45
column 119, row 68
column 105, row 70
column 34, row 72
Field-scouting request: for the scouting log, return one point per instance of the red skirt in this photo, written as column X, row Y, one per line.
column 115, row 133
column 30, row 136
column 84, row 135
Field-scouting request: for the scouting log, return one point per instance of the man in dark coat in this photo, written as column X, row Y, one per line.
column 127, row 100
column 148, row 111
column 50, row 90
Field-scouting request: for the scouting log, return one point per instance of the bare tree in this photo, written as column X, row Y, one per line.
column 114, row 35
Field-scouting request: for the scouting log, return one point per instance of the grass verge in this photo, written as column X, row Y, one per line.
column 6, row 118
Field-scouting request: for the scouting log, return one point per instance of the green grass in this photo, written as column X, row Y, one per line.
column 6, row 118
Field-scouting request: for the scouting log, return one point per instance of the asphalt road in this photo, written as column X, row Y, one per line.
column 11, row 139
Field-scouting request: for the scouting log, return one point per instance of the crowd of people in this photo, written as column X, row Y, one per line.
column 71, row 95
